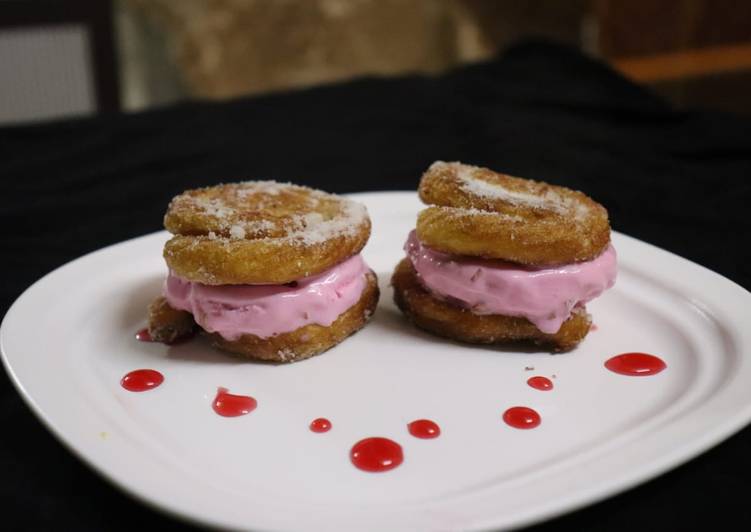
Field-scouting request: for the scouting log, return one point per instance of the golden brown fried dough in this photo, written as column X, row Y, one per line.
column 482, row 213
column 261, row 232
column 308, row 340
column 168, row 325
column 448, row 320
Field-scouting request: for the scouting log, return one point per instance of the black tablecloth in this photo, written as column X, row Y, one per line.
column 676, row 179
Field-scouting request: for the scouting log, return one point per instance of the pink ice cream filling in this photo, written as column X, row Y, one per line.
column 268, row 310
column 545, row 296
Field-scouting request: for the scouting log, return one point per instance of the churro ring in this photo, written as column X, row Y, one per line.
column 261, row 232
column 475, row 211
column 170, row 324
column 450, row 321
column 308, row 340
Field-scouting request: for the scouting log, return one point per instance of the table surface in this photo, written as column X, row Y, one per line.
column 679, row 180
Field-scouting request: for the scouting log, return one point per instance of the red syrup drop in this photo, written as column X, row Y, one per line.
column 231, row 405
column 376, row 455
column 142, row 380
column 144, row 336
column 593, row 328
column 320, row 425
column 521, row 417
column 635, row 364
column 424, row 429
column 540, row 383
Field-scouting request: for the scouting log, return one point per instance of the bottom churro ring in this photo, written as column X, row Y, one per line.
column 308, row 340
column 167, row 324
column 451, row 321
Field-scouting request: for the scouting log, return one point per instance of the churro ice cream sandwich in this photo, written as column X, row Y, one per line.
column 500, row 259
column 267, row 270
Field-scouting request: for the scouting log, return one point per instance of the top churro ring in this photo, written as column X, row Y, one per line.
column 261, row 232
column 477, row 212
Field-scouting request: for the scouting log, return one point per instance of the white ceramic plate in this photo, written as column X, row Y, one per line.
column 68, row 340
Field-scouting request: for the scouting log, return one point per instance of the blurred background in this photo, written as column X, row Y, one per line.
column 63, row 58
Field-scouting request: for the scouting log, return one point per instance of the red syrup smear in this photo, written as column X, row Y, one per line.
column 540, row 383
column 593, row 328
column 144, row 335
column 376, row 455
column 424, row 429
column 231, row 405
column 636, row 364
column 320, row 425
column 142, row 380
column 521, row 417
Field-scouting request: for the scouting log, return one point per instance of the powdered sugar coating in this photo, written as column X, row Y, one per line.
column 213, row 207
column 523, row 193
column 265, row 210
column 459, row 212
